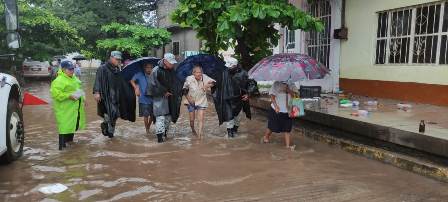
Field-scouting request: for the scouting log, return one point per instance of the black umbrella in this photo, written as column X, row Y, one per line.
column 211, row 65
column 136, row 66
column 79, row 57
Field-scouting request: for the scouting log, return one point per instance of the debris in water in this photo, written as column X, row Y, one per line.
column 53, row 189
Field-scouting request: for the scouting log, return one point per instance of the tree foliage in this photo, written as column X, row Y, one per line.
column 133, row 39
column 88, row 16
column 246, row 25
column 42, row 33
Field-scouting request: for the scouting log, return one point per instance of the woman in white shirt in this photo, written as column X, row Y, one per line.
column 195, row 90
column 278, row 116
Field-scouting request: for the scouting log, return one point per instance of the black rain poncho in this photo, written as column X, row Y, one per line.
column 160, row 82
column 231, row 85
column 117, row 95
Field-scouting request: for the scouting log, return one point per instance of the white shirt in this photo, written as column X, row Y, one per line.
column 196, row 90
column 280, row 97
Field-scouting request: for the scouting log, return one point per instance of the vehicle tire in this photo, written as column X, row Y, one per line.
column 15, row 134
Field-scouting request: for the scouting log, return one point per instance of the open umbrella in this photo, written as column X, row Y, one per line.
column 288, row 67
column 79, row 57
column 211, row 65
column 136, row 66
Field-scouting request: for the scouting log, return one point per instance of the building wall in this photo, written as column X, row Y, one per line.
column 360, row 75
column 301, row 41
column 188, row 42
column 358, row 52
column 164, row 9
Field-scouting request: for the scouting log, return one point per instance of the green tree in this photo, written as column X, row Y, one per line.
column 246, row 25
column 136, row 40
column 88, row 16
column 43, row 34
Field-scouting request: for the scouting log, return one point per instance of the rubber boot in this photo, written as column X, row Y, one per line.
column 235, row 129
column 61, row 142
column 104, row 129
column 230, row 133
column 160, row 137
column 70, row 138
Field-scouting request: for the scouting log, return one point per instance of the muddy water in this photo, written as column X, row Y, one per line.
column 133, row 167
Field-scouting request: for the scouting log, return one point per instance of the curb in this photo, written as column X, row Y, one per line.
column 401, row 161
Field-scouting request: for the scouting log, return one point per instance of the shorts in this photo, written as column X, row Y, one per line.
column 192, row 108
column 279, row 122
column 145, row 110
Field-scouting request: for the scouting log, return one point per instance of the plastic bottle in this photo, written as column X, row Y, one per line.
column 421, row 127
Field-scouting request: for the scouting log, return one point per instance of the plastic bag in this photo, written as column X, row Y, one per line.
column 296, row 108
column 53, row 189
column 79, row 93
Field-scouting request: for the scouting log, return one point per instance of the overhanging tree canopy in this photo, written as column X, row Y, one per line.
column 88, row 17
column 246, row 25
column 42, row 33
column 133, row 39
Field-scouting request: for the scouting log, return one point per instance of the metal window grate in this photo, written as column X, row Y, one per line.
column 318, row 43
column 414, row 35
column 176, row 48
column 290, row 39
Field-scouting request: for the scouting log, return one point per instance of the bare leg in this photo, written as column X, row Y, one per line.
column 267, row 135
column 288, row 141
column 147, row 124
column 192, row 117
column 201, row 122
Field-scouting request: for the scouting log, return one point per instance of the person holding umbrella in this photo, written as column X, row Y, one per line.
column 163, row 91
column 68, row 102
column 78, row 69
column 195, row 90
column 279, row 120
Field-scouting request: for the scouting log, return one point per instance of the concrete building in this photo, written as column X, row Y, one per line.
column 397, row 49
column 183, row 41
column 322, row 46
column 394, row 49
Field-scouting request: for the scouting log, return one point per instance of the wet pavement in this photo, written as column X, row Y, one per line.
column 133, row 167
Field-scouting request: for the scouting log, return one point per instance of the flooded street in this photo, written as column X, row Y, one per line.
column 134, row 167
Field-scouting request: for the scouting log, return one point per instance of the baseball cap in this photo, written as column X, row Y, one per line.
column 67, row 65
column 116, row 55
column 231, row 62
column 170, row 58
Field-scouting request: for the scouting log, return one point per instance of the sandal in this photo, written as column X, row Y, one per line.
column 292, row 148
column 263, row 141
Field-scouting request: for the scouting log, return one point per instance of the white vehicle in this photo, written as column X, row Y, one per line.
column 11, row 120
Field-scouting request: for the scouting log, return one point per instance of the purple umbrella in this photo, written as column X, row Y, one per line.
column 288, row 67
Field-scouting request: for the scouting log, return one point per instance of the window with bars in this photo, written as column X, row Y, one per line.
column 319, row 43
column 176, row 48
column 415, row 35
column 290, row 39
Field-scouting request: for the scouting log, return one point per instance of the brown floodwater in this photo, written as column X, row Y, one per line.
column 133, row 167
